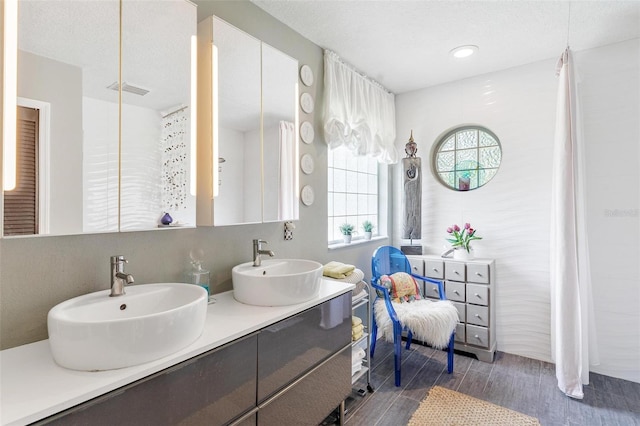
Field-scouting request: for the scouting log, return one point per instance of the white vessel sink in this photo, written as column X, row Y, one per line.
column 98, row 332
column 277, row 282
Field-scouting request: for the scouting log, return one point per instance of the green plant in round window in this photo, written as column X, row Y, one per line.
column 467, row 157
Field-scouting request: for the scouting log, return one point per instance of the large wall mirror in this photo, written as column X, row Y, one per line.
column 89, row 160
column 256, row 136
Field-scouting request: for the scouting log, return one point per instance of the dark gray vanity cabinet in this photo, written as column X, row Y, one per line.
column 310, row 399
column 304, row 365
column 291, row 347
column 294, row 372
column 210, row 389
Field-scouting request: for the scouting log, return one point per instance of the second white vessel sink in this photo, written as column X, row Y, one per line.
column 276, row 282
column 97, row 332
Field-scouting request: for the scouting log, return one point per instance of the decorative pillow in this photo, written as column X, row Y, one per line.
column 402, row 287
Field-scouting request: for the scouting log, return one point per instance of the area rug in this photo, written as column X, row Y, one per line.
column 444, row 407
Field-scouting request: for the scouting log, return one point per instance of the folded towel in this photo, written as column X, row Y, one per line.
column 355, row 337
column 337, row 270
column 357, row 329
column 357, row 354
column 355, row 320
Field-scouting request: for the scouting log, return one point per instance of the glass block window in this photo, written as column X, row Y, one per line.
column 467, row 157
column 352, row 193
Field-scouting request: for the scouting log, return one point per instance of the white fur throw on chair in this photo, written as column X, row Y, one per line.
column 431, row 322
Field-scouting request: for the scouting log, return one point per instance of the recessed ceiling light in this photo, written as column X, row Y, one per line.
column 464, row 51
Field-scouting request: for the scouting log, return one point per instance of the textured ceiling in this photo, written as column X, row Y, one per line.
column 85, row 33
column 405, row 45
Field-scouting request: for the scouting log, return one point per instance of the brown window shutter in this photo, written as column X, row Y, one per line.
column 21, row 204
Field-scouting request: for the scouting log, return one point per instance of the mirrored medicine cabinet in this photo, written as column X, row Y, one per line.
column 248, row 150
column 105, row 118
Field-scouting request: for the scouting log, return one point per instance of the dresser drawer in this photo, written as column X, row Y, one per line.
column 434, row 269
column 478, row 315
column 478, row 294
column 454, row 291
column 460, row 333
column 462, row 310
column 417, row 265
column 478, row 336
column 478, row 273
column 454, row 271
column 431, row 290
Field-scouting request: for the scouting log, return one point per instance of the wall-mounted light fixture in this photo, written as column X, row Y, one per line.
column 10, row 95
column 194, row 113
column 214, row 119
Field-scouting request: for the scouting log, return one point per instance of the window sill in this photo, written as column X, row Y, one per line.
column 356, row 242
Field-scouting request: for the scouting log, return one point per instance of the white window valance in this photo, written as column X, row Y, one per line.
column 359, row 113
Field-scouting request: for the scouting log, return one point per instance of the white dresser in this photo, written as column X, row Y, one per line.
column 470, row 285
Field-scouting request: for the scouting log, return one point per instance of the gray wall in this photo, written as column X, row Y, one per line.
column 36, row 273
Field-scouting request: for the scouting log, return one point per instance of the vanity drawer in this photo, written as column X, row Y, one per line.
column 478, row 273
column 460, row 333
column 478, row 294
column 478, row 315
column 289, row 348
column 434, row 269
column 478, row 336
column 454, row 271
column 431, row 290
column 454, row 291
column 462, row 310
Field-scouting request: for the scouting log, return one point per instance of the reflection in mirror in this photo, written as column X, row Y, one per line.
column 238, row 133
column 157, row 113
column 63, row 62
column 257, row 134
column 68, row 71
column 280, row 136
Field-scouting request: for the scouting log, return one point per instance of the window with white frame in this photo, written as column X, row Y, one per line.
column 352, row 193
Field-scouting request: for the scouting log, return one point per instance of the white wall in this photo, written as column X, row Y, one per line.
column 141, row 163
column 228, row 203
column 252, row 185
column 512, row 212
column 60, row 85
column 100, row 171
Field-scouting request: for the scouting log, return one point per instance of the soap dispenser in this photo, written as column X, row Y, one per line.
column 197, row 275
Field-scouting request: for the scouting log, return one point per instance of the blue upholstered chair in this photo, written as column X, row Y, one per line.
column 388, row 260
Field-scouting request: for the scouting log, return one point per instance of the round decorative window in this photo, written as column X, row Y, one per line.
column 467, row 157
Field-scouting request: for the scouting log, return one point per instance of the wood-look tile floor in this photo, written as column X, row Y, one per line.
column 521, row 384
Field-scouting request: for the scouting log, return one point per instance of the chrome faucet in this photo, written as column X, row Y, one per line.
column 118, row 278
column 257, row 251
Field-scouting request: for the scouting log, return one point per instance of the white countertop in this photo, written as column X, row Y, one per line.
column 33, row 386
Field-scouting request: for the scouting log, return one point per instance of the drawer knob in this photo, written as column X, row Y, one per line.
column 435, row 289
column 477, row 337
column 477, row 315
column 477, row 295
column 478, row 274
column 456, row 292
column 456, row 272
column 435, row 269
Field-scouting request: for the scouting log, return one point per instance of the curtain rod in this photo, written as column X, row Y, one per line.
column 338, row 59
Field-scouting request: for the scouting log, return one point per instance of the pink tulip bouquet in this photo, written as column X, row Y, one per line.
column 462, row 238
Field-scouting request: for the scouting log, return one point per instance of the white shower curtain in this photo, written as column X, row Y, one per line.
column 572, row 327
column 287, row 196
